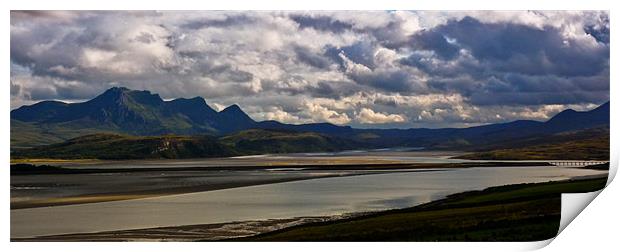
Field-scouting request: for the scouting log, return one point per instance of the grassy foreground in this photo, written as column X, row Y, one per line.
column 525, row 212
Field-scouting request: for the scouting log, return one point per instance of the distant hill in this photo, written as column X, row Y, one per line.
column 487, row 136
column 114, row 146
column 573, row 120
column 258, row 141
column 141, row 113
column 588, row 144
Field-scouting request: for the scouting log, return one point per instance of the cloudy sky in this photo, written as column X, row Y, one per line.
column 366, row 69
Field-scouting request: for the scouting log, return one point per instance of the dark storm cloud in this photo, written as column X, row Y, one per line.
column 311, row 58
column 437, row 42
column 519, row 89
column 335, row 89
column 463, row 85
column 512, row 64
column 390, row 35
column 600, row 33
column 360, row 53
column 515, row 48
column 64, row 48
column 224, row 72
column 392, row 81
column 600, row 29
column 231, row 20
column 434, row 67
column 322, row 89
column 446, row 68
column 48, row 90
column 515, row 98
column 321, row 23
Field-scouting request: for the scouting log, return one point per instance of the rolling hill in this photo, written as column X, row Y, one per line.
column 113, row 146
column 248, row 142
column 587, row 144
column 258, row 141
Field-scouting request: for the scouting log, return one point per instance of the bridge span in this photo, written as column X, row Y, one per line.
column 577, row 163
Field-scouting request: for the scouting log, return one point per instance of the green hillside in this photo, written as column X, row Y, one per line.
column 112, row 146
column 271, row 141
column 115, row 146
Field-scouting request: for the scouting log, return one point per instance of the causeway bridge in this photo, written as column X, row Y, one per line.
column 577, row 163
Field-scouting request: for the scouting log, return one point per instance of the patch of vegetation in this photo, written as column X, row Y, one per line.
column 525, row 212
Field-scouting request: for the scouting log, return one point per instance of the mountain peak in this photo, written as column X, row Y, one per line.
column 587, row 119
column 196, row 108
column 118, row 89
column 234, row 111
column 232, row 108
column 604, row 106
column 196, row 100
column 234, row 119
column 114, row 92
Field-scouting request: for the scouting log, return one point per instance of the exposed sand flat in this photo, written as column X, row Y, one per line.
column 335, row 158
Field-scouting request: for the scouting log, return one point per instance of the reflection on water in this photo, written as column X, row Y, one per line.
column 327, row 196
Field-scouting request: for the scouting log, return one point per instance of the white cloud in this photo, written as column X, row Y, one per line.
column 277, row 114
column 319, row 113
column 368, row 116
column 253, row 58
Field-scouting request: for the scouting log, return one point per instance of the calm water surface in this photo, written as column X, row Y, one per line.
column 317, row 197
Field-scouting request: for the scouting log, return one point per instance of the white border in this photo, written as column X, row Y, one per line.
column 595, row 228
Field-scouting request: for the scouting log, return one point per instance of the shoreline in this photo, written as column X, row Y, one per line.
column 508, row 213
column 56, row 169
column 267, row 229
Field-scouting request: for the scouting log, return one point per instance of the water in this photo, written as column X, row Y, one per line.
column 351, row 157
column 317, row 197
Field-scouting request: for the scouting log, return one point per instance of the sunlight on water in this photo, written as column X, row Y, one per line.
column 318, row 197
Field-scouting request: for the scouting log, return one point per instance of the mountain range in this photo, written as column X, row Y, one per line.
column 142, row 113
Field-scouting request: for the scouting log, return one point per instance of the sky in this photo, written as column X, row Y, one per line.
column 367, row 69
